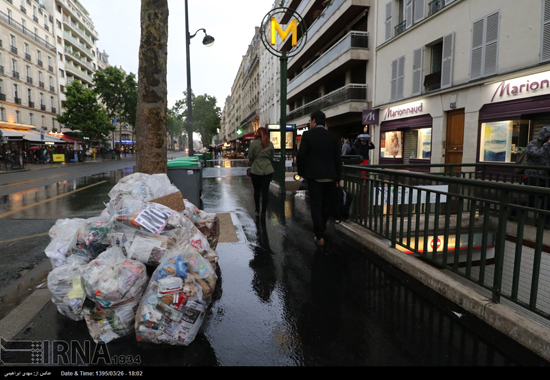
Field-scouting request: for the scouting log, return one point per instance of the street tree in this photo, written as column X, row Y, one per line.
column 175, row 126
column 82, row 112
column 206, row 115
column 118, row 94
column 152, row 88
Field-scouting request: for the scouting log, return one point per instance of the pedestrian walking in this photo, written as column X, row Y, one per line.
column 319, row 162
column 362, row 147
column 260, row 156
column 538, row 154
column 346, row 147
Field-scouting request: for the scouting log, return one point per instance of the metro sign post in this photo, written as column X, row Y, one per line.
column 269, row 30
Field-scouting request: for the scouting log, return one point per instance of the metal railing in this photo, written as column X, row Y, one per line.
column 488, row 227
column 350, row 92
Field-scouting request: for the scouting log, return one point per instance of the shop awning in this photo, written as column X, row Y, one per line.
column 32, row 136
column 249, row 136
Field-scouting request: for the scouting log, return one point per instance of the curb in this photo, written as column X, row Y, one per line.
column 523, row 330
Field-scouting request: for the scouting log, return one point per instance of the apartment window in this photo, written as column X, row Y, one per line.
column 17, row 117
column 12, row 40
column 3, row 114
column 418, row 56
column 441, row 64
column 61, row 73
column 31, row 116
column 14, row 65
column 1, row 86
column 10, row 17
column 24, row 25
column 42, row 99
column 29, row 96
column 484, row 56
column 26, row 48
column 397, row 79
column 388, row 22
column 15, row 91
column 545, row 39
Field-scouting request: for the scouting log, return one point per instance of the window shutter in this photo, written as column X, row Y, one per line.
column 491, row 45
column 393, row 95
column 545, row 44
column 401, row 78
column 409, row 14
column 477, row 49
column 419, row 10
column 417, row 71
column 388, row 21
column 447, row 62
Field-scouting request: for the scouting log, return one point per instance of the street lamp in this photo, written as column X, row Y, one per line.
column 207, row 41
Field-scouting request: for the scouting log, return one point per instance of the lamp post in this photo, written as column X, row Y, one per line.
column 208, row 41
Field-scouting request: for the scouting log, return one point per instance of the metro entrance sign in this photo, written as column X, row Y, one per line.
column 296, row 30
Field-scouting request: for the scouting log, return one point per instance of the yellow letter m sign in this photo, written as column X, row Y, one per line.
column 291, row 28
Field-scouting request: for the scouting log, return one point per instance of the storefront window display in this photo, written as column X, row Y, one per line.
column 391, row 144
column 503, row 141
column 418, row 144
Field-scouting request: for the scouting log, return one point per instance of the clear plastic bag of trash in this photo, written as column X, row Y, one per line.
column 113, row 279
column 140, row 187
column 64, row 234
column 175, row 302
column 106, row 324
column 207, row 223
column 64, row 282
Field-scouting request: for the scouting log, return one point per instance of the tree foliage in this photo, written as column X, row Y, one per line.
column 82, row 112
column 118, row 93
column 206, row 115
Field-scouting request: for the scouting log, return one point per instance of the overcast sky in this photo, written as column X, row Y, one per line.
column 213, row 69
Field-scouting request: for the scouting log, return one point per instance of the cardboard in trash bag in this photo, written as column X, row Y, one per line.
column 173, row 201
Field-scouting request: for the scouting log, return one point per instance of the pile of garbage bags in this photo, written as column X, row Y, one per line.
column 101, row 264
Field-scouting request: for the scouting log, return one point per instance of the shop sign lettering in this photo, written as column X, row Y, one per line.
column 404, row 111
column 521, row 86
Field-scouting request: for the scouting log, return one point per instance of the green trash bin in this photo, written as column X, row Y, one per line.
column 186, row 174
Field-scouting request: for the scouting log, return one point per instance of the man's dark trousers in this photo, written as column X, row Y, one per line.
column 319, row 200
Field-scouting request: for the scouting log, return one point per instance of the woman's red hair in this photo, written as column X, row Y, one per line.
column 262, row 132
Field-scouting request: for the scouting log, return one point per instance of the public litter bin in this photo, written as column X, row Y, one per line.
column 186, row 175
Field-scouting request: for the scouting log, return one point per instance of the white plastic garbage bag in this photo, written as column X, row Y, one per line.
column 113, row 279
column 174, row 304
column 64, row 282
column 109, row 323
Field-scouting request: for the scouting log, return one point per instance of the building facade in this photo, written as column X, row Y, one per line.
column 333, row 72
column 29, row 94
column 460, row 92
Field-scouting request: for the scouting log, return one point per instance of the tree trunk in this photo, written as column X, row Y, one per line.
column 152, row 90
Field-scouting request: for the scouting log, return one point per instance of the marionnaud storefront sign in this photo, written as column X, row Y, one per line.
column 523, row 87
column 405, row 110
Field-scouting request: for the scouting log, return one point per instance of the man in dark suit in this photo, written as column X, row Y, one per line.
column 319, row 163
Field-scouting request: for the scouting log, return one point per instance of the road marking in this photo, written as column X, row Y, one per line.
column 23, row 237
column 48, row 200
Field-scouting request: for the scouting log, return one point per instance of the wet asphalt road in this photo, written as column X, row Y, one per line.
column 279, row 300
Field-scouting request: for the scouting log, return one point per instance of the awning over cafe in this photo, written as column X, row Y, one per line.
column 249, row 136
column 30, row 135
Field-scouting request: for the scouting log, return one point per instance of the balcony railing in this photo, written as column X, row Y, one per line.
column 50, row 68
column 400, row 28
column 41, row 85
column 353, row 40
column 351, row 92
column 17, row 26
column 27, row 57
column 15, row 74
column 435, row 6
column 52, row 89
column 3, row 97
column 43, row 107
column 31, row 104
column 29, row 80
column 17, row 101
column 53, row 110
column 13, row 49
column 39, row 62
